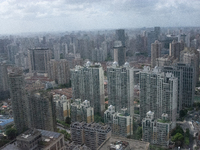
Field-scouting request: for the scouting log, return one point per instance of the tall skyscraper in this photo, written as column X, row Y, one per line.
column 119, row 53
column 120, row 47
column 150, row 39
column 157, row 32
column 19, row 99
column 158, row 93
column 191, row 56
column 88, row 84
column 58, row 70
column 42, row 110
column 188, row 83
column 120, row 36
column 120, row 87
column 38, row 59
column 3, row 77
column 155, row 52
column 175, row 48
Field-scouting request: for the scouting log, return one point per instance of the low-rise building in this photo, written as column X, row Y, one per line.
column 90, row 134
column 5, row 122
column 37, row 139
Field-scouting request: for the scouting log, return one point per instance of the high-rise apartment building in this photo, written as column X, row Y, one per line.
column 175, row 48
column 90, row 134
column 155, row 52
column 38, row 59
column 58, row 70
column 81, row 111
column 178, row 73
column 120, row 87
column 19, row 99
column 62, row 107
column 42, row 110
column 156, row 131
column 158, row 93
column 88, row 84
column 121, row 122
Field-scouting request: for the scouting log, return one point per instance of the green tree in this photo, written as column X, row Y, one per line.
column 183, row 113
column 187, row 133
column 11, row 133
column 139, row 133
column 66, row 134
column 178, row 137
column 68, row 120
column 178, row 129
column 98, row 118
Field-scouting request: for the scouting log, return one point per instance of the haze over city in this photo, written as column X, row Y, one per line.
column 66, row 15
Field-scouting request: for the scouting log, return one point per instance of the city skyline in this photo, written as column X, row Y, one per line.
column 64, row 15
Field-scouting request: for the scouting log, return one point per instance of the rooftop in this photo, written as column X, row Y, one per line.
column 5, row 121
column 134, row 144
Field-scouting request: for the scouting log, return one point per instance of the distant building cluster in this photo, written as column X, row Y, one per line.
column 146, row 77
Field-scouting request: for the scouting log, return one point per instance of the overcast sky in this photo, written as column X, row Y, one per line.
column 67, row 15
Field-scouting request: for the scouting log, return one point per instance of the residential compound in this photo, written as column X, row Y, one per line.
column 90, row 134
column 19, row 99
column 82, row 111
column 120, row 87
column 120, row 122
column 34, row 139
column 62, row 107
column 58, row 70
column 156, row 131
column 38, row 59
column 42, row 112
column 158, row 93
column 88, row 84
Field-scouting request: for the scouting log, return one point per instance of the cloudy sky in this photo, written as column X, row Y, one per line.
column 67, row 15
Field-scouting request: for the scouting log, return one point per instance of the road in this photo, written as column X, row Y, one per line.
column 68, row 130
